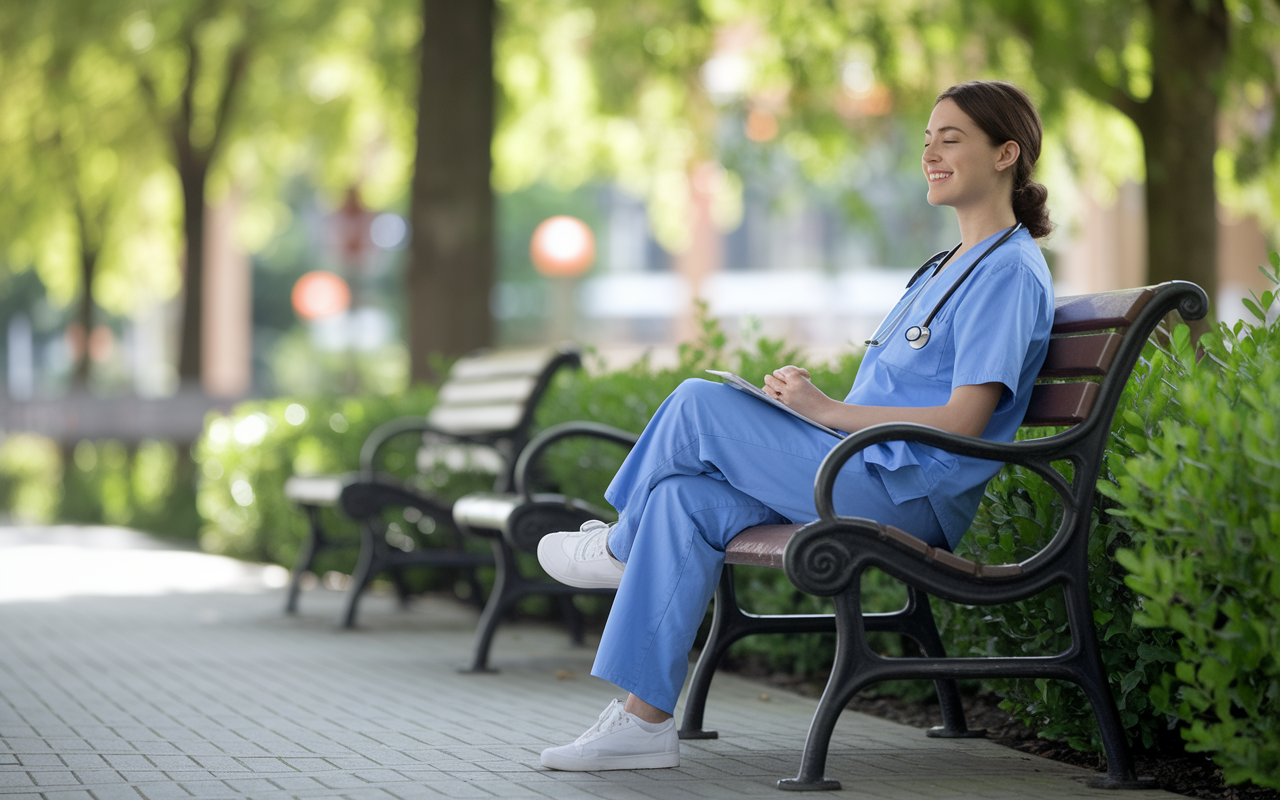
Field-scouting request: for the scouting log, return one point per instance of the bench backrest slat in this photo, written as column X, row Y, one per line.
column 1054, row 404
column 504, row 390
column 1102, row 317
column 492, row 392
column 1094, row 312
column 1080, row 356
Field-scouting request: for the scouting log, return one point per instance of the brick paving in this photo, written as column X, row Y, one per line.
column 139, row 690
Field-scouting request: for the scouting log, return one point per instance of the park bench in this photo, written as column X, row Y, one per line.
column 1096, row 341
column 482, row 419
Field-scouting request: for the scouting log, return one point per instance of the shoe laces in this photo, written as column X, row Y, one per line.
column 614, row 716
column 595, row 544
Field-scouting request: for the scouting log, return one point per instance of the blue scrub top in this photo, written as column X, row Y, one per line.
column 995, row 328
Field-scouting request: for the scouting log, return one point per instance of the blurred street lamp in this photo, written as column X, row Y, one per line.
column 562, row 247
column 320, row 294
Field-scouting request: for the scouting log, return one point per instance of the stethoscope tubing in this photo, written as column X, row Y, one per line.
column 918, row 335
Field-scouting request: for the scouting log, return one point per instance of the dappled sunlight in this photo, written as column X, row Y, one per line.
column 56, row 562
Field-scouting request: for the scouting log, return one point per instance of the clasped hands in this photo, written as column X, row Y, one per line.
column 792, row 386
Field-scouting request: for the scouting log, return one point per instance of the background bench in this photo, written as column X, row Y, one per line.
column 481, row 420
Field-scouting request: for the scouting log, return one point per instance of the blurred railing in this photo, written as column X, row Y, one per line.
column 68, row 419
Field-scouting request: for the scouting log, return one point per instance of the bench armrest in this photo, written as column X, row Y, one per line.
column 400, row 426
column 1036, row 454
column 565, row 430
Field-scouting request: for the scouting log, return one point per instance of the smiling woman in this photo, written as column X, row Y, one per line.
column 714, row 461
column 992, row 127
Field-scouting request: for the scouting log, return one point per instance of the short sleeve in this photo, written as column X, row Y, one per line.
column 994, row 325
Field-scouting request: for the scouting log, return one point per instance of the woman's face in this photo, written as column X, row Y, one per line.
column 961, row 164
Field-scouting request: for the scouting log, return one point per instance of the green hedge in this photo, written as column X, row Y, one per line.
column 246, row 457
column 149, row 487
column 1203, row 489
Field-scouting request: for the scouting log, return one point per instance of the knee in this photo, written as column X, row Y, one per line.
column 689, row 493
column 696, row 392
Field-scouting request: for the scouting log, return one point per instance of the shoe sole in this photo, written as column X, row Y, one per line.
column 571, row 581
column 567, row 763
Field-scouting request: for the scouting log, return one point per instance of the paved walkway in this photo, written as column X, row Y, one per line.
column 175, row 675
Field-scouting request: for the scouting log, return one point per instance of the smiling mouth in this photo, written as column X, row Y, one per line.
column 934, row 177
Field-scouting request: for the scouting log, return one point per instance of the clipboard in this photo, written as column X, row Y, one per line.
column 743, row 385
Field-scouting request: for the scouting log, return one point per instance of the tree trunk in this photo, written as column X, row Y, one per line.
column 84, row 315
column 1179, row 132
column 451, row 265
column 192, row 171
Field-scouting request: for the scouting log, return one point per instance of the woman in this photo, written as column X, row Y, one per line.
column 714, row 460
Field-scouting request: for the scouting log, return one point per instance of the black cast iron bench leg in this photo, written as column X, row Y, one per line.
column 306, row 558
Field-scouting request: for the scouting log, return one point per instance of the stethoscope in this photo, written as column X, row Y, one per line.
column 918, row 335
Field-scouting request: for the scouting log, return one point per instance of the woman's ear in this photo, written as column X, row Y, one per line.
column 1007, row 155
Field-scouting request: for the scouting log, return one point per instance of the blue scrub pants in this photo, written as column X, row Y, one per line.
column 712, row 462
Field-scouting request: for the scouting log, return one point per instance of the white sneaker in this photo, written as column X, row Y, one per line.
column 581, row 558
column 618, row 740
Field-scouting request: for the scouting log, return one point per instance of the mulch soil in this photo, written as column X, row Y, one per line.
column 1175, row 770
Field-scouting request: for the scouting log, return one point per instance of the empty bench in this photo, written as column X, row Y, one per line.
column 482, row 418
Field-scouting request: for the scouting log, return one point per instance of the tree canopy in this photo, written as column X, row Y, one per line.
column 120, row 120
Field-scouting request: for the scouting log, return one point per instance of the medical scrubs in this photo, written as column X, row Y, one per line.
column 714, row 460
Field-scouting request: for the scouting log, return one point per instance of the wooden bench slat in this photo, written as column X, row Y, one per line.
column 761, row 546
column 1055, row 404
column 1080, row 356
column 476, row 419
column 502, row 364
column 1094, row 312
column 509, row 390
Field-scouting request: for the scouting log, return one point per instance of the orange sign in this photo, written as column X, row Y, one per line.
column 320, row 294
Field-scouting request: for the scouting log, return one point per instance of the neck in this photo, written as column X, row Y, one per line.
column 979, row 223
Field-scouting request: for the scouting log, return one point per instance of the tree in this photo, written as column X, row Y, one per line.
column 77, row 187
column 1183, row 71
column 1172, row 67
column 225, row 93
column 451, row 217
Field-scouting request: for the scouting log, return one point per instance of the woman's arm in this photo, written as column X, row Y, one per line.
column 966, row 412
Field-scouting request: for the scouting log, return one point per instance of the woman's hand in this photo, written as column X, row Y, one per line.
column 791, row 386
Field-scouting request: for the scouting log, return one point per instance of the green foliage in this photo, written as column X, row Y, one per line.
column 30, row 477
column 1184, row 575
column 1205, row 493
column 149, row 487
column 245, row 458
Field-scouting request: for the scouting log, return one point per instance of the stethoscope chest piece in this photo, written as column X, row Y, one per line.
column 917, row 336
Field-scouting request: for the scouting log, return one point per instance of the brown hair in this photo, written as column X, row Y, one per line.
column 1006, row 114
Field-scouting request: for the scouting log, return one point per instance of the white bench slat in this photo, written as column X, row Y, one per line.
column 510, row 390
column 506, row 363
column 316, row 490
column 475, row 419
column 459, row 458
